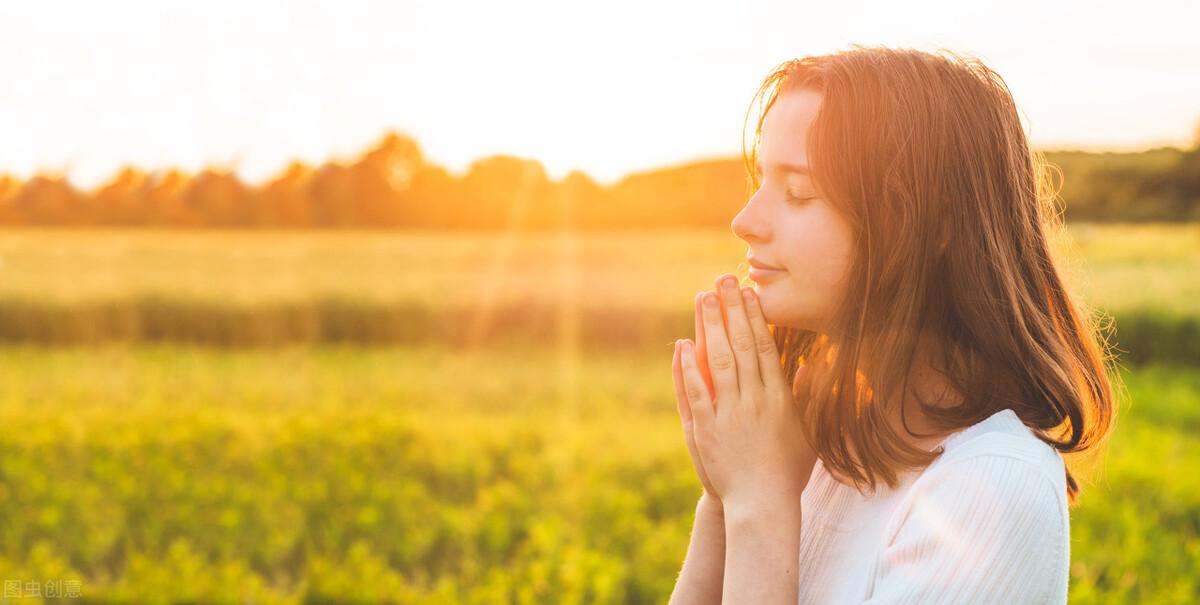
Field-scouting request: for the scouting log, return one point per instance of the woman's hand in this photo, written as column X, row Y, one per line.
column 748, row 441
column 685, row 412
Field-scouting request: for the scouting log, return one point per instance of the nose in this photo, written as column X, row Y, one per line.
column 749, row 223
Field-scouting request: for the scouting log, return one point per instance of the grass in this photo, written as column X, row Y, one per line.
column 546, row 469
column 427, row 475
column 1114, row 267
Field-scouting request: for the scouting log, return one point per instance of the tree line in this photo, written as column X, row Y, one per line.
column 393, row 185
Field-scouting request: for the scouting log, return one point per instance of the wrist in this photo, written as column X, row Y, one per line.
column 772, row 511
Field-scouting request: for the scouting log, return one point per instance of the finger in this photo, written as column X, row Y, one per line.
column 721, row 364
column 685, row 412
column 681, row 400
column 701, row 347
column 741, row 338
column 703, row 407
column 769, row 365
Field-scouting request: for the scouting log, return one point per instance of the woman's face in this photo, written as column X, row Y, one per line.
column 787, row 225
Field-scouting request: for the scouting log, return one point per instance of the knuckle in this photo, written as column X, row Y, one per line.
column 765, row 345
column 693, row 394
column 721, row 361
column 743, row 342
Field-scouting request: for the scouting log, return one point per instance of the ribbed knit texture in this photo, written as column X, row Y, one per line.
column 986, row 522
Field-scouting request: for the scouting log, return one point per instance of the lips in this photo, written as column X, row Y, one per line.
column 754, row 263
column 763, row 273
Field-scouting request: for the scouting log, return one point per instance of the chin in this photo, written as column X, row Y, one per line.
column 777, row 313
column 774, row 314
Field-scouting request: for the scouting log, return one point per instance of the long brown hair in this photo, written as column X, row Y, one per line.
column 925, row 156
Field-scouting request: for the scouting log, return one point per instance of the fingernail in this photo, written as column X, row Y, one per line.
column 730, row 283
column 748, row 294
column 710, row 300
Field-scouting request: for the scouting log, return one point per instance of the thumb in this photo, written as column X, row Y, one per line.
column 681, row 399
column 695, row 387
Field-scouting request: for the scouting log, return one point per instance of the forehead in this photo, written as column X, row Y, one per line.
column 785, row 129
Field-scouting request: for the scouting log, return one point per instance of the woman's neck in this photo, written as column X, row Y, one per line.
column 926, row 383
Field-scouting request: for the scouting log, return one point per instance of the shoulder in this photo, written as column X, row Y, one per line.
column 1017, row 490
column 1000, row 444
column 989, row 514
column 996, row 467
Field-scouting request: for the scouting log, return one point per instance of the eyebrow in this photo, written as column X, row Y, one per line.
column 786, row 167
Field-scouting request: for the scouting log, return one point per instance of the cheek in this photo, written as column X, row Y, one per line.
column 820, row 260
column 830, row 250
column 818, row 263
column 830, row 266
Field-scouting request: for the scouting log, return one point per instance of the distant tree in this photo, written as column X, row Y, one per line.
column 332, row 191
column 392, row 185
column 285, row 201
column 118, row 202
column 698, row 194
column 1181, row 186
column 581, row 196
column 219, row 198
column 49, row 200
column 163, row 201
column 9, row 214
column 381, row 180
column 436, row 198
column 503, row 191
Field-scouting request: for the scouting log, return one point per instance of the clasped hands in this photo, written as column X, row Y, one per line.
column 743, row 431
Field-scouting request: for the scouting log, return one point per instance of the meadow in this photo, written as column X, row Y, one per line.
column 537, row 471
column 1115, row 267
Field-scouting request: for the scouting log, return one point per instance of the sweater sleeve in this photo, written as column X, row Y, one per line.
column 985, row 529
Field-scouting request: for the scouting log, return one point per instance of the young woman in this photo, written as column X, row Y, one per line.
column 882, row 418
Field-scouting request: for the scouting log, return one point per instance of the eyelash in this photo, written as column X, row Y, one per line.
column 790, row 197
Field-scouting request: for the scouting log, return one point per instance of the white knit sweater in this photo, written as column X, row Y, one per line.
column 986, row 522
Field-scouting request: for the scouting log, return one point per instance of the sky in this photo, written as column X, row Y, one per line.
column 609, row 88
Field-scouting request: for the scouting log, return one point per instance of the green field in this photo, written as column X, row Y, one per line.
column 164, row 474
column 552, row 472
column 1116, row 267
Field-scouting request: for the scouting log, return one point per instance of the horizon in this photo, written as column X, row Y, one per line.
column 223, row 168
